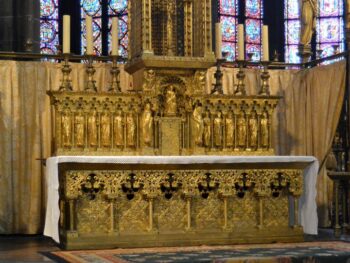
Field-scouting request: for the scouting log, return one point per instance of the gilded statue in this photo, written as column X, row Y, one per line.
column 130, row 129
column 66, row 128
column 198, row 125
column 229, row 130
column 264, row 130
column 170, row 101
column 253, row 131
column 309, row 12
column 241, row 131
column 92, row 129
column 207, row 129
column 147, row 125
column 149, row 80
column 79, row 129
column 218, row 124
column 170, row 27
column 118, row 124
column 105, row 129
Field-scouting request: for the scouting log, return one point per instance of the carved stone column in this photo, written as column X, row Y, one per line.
column 208, row 45
column 188, row 11
column 147, row 26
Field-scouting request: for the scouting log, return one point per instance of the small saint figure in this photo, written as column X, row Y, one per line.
column 149, row 80
column 170, row 101
column 118, row 129
column 253, row 131
column 105, row 129
column 241, row 131
column 170, row 27
column 264, row 129
column 92, row 129
column 229, row 129
column 79, row 129
column 130, row 129
column 218, row 124
column 198, row 125
column 207, row 129
column 66, row 128
column 147, row 125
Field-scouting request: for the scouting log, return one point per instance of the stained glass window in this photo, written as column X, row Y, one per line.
column 119, row 8
column 292, row 30
column 49, row 39
column 228, row 12
column 330, row 27
column 92, row 8
column 253, row 25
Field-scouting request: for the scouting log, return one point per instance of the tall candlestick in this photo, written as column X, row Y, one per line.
column 89, row 36
column 265, row 43
column 218, row 46
column 66, row 34
column 115, row 31
column 241, row 42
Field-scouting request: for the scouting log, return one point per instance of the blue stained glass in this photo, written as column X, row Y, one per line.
column 330, row 7
column 292, row 54
column 230, row 48
column 255, row 50
column 292, row 31
column 228, row 7
column 49, row 26
column 291, row 9
column 253, row 8
column 228, row 28
column 117, row 6
column 91, row 7
column 253, row 31
column 48, row 8
column 228, row 17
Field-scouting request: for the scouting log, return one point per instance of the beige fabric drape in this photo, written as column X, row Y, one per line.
column 305, row 122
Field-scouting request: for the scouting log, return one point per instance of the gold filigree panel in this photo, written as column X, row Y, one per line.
column 133, row 215
column 170, row 214
column 276, row 211
column 92, row 215
column 244, row 212
column 208, row 212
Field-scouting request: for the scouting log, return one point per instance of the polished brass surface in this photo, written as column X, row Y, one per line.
column 172, row 205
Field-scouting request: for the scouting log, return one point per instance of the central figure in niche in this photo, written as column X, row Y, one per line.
column 170, row 101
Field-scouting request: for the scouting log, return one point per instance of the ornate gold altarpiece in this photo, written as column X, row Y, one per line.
column 168, row 112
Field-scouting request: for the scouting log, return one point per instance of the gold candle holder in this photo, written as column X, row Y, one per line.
column 240, row 90
column 265, row 77
column 218, row 75
column 115, row 73
column 90, row 71
column 66, row 84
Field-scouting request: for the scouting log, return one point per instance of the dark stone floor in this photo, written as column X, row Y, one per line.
column 16, row 248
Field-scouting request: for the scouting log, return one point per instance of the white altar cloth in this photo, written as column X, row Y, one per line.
column 307, row 203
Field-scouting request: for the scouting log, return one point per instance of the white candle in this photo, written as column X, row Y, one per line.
column 89, row 36
column 265, row 43
column 240, row 42
column 218, row 46
column 66, row 34
column 115, row 30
